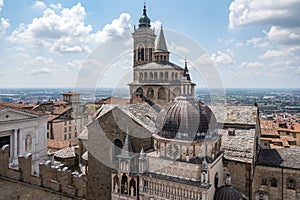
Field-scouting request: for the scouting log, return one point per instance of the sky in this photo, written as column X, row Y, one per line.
column 63, row 43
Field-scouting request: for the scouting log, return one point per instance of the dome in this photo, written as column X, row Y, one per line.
column 144, row 19
column 227, row 192
column 184, row 118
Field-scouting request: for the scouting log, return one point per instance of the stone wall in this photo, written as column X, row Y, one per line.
column 99, row 182
column 263, row 188
column 51, row 183
column 102, row 134
column 240, row 176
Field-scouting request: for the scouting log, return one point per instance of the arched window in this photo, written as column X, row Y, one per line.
column 141, row 76
column 124, row 184
column 141, row 54
column 216, row 180
column 132, row 185
column 172, row 76
column 166, row 76
column 150, row 54
column 176, row 76
column 161, row 93
column 165, row 58
column 145, row 76
column 274, row 182
column 155, row 75
column 116, row 184
column 291, row 183
column 161, row 76
column 151, row 76
column 150, row 93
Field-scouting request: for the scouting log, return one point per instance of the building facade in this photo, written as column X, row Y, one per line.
column 277, row 174
column 25, row 132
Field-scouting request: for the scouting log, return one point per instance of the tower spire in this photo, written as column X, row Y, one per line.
column 161, row 45
column 186, row 74
column 161, row 52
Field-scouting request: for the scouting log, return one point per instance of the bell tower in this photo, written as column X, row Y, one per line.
column 143, row 41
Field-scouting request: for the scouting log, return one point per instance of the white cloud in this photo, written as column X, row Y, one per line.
column 40, row 71
column 156, row 25
column 248, row 12
column 4, row 24
column 204, row 60
column 223, row 58
column 74, row 66
column 56, row 6
column 66, row 26
column 177, row 48
column 257, row 42
column 252, row 64
column 275, row 54
column 64, row 30
column 284, row 36
column 66, row 45
column 39, row 60
column 39, row 5
column 120, row 27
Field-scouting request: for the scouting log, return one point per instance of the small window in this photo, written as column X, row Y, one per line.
column 70, row 122
column 65, row 129
column 70, row 128
column 274, row 182
column 291, row 183
column 176, row 76
column 65, row 136
column 264, row 181
column 70, row 135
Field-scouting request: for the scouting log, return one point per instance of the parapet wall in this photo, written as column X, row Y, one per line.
column 54, row 180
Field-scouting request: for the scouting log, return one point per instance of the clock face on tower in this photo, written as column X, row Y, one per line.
column 173, row 150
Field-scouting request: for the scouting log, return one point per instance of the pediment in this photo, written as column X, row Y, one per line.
column 10, row 114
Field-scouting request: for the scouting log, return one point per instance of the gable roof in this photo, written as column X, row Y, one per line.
column 143, row 114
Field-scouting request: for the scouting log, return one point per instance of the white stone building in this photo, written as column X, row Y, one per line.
column 25, row 131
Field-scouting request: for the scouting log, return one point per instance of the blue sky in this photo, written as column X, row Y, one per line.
column 251, row 43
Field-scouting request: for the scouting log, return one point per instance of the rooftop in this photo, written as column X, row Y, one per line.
column 27, row 108
column 238, row 147
column 57, row 144
column 159, row 65
column 286, row 157
column 67, row 152
column 235, row 114
column 143, row 114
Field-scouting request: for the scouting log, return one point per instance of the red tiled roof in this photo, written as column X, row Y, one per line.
column 61, row 110
column 21, row 107
column 57, row 144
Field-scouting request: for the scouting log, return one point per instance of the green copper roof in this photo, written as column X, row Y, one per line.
column 144, row 19
column 161, row 45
